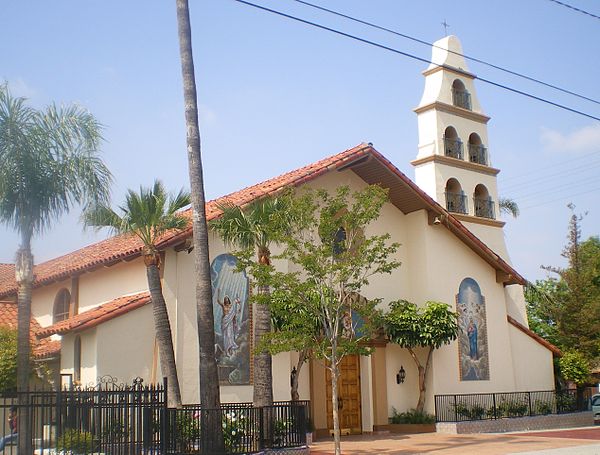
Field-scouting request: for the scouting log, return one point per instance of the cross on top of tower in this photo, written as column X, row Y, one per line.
column 446, row 25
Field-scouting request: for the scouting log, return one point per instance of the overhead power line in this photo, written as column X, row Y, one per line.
column 420, row 41
column 563, row 163
column 560, row 198
column 579, row 10
column 412, row 56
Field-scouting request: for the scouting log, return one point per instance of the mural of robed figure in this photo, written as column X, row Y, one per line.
column 230, row 309
column 472, row 339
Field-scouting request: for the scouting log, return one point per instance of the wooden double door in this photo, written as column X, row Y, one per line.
column 348, row 396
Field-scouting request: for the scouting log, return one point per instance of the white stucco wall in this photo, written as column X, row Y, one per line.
column 42, row 301
column 89, row 359
column 105, row 284
column 125, row 346
column 533, row 364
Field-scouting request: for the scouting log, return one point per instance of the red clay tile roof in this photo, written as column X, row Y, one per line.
column 7, row 273
column 555, row 351
column 127, row 247
column 98, row 315
column 41, row 348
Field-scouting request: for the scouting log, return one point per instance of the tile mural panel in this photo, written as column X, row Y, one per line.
column 472, row 338
column 232, row 323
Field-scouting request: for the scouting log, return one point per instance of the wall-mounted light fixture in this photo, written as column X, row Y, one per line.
column 401, row 375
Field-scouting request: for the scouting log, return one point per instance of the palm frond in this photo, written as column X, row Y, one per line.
column 148, row 213
column 508, row 206
column 49, row 162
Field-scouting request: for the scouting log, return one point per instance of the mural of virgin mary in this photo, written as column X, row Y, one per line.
column 472, row 339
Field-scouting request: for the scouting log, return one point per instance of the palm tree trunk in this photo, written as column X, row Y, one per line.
column 209, row 376
column 263, row 372
column 24, row 278
column 162, row 328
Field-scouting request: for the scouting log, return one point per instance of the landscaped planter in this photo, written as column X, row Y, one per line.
column 411, row 428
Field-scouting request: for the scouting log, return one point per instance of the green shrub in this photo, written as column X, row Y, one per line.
column 76, row 441
column 235, row 428
column 472, row 412
column 188, row 430
column 543, row 407
column 8, row 359
column 512, row 408
column 412, row 416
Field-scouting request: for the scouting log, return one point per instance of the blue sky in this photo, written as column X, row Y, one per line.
column 275, row 95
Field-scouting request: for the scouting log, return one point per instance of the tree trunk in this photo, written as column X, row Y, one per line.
column 24, row 278
column 263, row 374
column 423, row 370
column 335, row 374
column 303, row 355
column 421, row 402
column 209, row 376
column 164, row 336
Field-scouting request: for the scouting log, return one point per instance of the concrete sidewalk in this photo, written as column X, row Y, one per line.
column 565, row 441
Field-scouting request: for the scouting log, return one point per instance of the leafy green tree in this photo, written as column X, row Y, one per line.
column 295, row 326
column 148, row 215
column 428, row 327
column 574, row 367
column 330, row 259
column 567, row 308
column 251, row 228
column 209, row 374
column 8, row 359
column 49, row 162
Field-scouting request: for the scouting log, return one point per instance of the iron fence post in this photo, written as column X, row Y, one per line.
column 455, row 410
column 261, row 429
column 530, row 408
column 495, row 409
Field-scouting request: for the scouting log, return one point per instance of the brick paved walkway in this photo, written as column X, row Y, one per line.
column 479, row 444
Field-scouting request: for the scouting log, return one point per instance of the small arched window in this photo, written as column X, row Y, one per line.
column 484, row 205
column 460, row 96
column 456, row 200
column 453, row 146
column 62, row 306
column 477, row 151
column 77, row 359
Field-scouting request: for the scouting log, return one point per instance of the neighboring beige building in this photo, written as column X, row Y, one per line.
column 452, row 250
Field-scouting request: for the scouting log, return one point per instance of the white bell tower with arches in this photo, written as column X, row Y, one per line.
column 453, row 164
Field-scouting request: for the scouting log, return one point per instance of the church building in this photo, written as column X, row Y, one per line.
column 94, row 305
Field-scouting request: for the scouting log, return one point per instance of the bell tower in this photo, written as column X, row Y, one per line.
column 453, row 164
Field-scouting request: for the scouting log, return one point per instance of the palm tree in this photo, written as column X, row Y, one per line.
column 508, row 206
column 49, row 162
column 148, row 215
column 250, row 228
column 209, row 376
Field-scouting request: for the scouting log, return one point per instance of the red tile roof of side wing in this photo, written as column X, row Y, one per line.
column 40, row 348
column 7, row 273
column 97, row 315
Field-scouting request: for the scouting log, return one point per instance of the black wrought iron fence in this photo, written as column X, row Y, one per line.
column 245, row 429
column 133, row 419
column 485, row 406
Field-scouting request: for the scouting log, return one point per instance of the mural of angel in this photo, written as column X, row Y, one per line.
column 230, row 309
